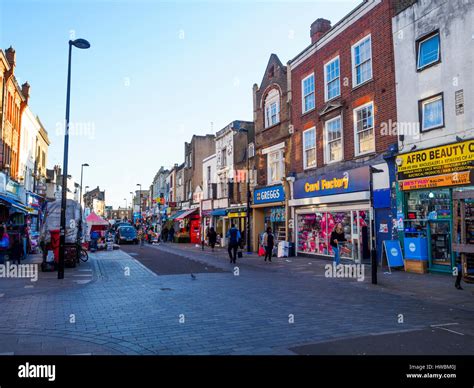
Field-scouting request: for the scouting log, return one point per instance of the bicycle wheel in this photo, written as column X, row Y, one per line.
column 84, row 255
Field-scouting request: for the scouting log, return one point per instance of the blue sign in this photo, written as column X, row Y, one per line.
column 269, row 194
column 393, row 251
column 339, row 182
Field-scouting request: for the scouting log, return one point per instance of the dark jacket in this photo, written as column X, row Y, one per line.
column 212, row 236
column 337, row 236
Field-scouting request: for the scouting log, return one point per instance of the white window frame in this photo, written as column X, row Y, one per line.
column 326, row 140
column 354, row 73
column 281, row 166
column 251, row 150
column 356, row 138
column 305, row 162
column 303, row 95
column 224, row 157
column 326, row 82
column 272, row 98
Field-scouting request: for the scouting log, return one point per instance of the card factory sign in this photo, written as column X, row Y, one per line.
column 441, row 160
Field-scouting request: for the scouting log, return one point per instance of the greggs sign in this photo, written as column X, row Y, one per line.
column 340, row 182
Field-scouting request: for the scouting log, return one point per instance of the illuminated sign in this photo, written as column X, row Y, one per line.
column 340, row 182
column 436, row 161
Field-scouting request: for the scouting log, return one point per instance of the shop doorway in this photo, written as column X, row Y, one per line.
column 439, row 245
column 463, row 231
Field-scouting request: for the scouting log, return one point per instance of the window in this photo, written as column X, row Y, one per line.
column 309, row 148
column 307, row 85
column 428, row 51
column 208, row 173
column 224, row 185
column 275, row 166
column 272, row 108
column 431, row 112
column 332, row 83
column 190, row 159
column 333, row 136
column 362, row 61
column 224, row 157
column 251, row 150
column 364, row 129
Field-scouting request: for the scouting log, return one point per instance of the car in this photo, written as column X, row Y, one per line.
column 119, row 224
column 126, row 234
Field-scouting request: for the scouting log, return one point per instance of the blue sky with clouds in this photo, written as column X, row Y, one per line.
column 157, row 73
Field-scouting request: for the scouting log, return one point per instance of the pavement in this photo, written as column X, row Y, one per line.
column 145, row 301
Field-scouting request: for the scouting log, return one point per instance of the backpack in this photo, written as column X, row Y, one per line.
column 233, row 236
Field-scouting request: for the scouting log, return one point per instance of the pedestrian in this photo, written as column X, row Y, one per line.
column 268, row 243
column 165, row 233
column 212, row 237
column 16, row 252
column 4, row 243
column 337, row 236
column 141, row 237
column 234, row 237
column 171, row 233
column 150, row 235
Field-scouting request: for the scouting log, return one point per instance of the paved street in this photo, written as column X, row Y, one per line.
column 114, row 304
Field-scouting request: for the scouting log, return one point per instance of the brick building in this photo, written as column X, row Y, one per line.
column 342, row 101
column 272, row 151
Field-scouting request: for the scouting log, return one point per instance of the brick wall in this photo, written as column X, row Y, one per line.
column 380, row 90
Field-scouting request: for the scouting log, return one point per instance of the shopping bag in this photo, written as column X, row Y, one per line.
column 261, row 251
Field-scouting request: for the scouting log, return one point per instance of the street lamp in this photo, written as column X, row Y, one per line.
column 80, row 44
column 126, row 206
column 131, row 207
column 82, row 168
column 140, row 197
column 373, row 255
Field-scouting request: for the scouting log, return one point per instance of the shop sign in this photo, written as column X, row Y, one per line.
column 269, row 194
column 340, row 182
column 237, row 215
column 12, row 187
column 436, row 161
column 454, row 179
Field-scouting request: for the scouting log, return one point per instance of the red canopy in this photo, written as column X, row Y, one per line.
column 94, row 220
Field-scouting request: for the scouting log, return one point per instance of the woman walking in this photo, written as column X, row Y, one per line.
column 337, row 236
column 268, row 243
column 212, row 238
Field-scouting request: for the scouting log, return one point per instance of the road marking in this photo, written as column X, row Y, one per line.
column 30, row 286
column 451, row 331
column 2, row 295
column 83, row 275
column 7, row 354
column 445, row 324
column 82, row 281
column 85, row 270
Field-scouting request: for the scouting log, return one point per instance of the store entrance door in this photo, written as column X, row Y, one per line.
column 439, row 245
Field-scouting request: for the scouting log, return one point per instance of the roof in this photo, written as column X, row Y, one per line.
column 94, row 219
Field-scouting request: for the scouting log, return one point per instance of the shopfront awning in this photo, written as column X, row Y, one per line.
column 186, row 214
column 219, row 213
column 177, row 214
column 11, row 202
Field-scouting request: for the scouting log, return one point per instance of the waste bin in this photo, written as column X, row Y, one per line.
column 291, row 249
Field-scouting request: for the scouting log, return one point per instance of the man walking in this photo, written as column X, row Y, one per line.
column 234, row 237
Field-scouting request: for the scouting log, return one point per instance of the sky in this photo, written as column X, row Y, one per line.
column 157, row 72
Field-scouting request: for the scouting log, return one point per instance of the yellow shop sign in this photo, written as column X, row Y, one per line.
column 436, row 161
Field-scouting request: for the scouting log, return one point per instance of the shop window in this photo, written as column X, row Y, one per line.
column 309, row 148
column 432, row 112
column 428, row 51
column 333, row 140
column 364, row 129
column 276, row 166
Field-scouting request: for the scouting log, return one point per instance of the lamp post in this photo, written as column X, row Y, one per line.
column 131, row 207
column 80, row 44
column 373, row 254
column 140, row 200
column 126, row 207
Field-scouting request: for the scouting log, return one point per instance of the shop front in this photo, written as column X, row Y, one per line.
column 429, row 182
column 268, row 212
column 189, row 222
column 238, row 217
column 321, row 202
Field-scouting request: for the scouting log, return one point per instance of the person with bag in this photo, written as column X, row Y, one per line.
column 234, row 237
column 4, row 243
column 268, row 243
column 337, row 236
column 212, row 237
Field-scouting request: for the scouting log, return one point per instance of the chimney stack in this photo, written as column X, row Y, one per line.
column 25, row 90
column 319, row 28
column 11, row 56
